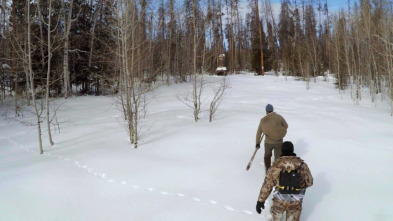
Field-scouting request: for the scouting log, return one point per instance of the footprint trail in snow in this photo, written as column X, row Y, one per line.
column 124, row 183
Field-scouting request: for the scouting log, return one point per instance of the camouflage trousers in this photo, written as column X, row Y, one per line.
column 293, row 210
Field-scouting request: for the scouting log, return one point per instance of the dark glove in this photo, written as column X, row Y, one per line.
column 257, row 146
column 259, row 206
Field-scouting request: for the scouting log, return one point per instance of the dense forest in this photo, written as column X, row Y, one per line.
column 60, row 48
column 83, row 44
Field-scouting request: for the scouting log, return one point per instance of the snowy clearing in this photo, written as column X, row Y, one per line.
column 197, row 171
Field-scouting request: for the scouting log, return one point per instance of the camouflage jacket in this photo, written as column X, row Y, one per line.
column 274, row 127
column 273, row 175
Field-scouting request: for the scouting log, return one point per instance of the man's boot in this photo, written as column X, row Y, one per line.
column 267, row 162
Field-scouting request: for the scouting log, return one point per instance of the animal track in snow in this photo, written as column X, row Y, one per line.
column 149, row 189
column 230, row 209
column 247, row 212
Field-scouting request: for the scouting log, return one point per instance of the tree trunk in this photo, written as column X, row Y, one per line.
column 66, row 71
column 239, row 34
column 91, row 43
column 30, row 69
column 195, row 92
column 260, row 36
column 48, row 120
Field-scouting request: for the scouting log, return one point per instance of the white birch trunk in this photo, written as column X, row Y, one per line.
column 66, row 71
column 48, row 120
column 31, row 75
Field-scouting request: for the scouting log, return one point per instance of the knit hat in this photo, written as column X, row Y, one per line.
column 269, row 108
column 287, row 149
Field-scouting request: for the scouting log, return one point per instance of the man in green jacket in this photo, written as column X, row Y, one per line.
column 274, row 127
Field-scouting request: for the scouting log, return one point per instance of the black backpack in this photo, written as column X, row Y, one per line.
column 290, row 181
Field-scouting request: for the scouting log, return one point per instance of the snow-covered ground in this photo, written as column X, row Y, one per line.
column 196, row 171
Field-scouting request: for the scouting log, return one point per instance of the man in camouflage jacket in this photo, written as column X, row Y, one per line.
column 289, row 203
column 275, row 128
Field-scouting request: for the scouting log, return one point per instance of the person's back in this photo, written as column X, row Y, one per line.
column 274, row 127
column 287, row 163
column 286, row 197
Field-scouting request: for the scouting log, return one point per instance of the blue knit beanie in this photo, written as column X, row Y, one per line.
column 269, row 108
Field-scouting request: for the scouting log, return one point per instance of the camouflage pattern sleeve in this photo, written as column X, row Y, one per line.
column 307, row 179
column 270, row 181
column 259, row 133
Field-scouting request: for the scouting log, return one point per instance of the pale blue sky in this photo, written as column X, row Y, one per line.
column 333, row 5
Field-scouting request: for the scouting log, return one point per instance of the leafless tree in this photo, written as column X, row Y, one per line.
column 134, row 93
column 197, row 90
column 194, row 98
column 218, row 96
column 29, row 69
column 67, row 18
column 260, row 36
column 50, row 49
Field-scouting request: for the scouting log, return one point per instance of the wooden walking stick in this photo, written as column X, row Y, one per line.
column 252, row 158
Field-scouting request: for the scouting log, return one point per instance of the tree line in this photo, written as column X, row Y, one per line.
column 73, row 42
column 57, row 48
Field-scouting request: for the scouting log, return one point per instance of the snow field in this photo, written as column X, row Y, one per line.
column 196, row 171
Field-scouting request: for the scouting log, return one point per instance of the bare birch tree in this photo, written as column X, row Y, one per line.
column 197, row 92
column 218, row 97
column 67, row 19
column 134, row 93
column 29, row 68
